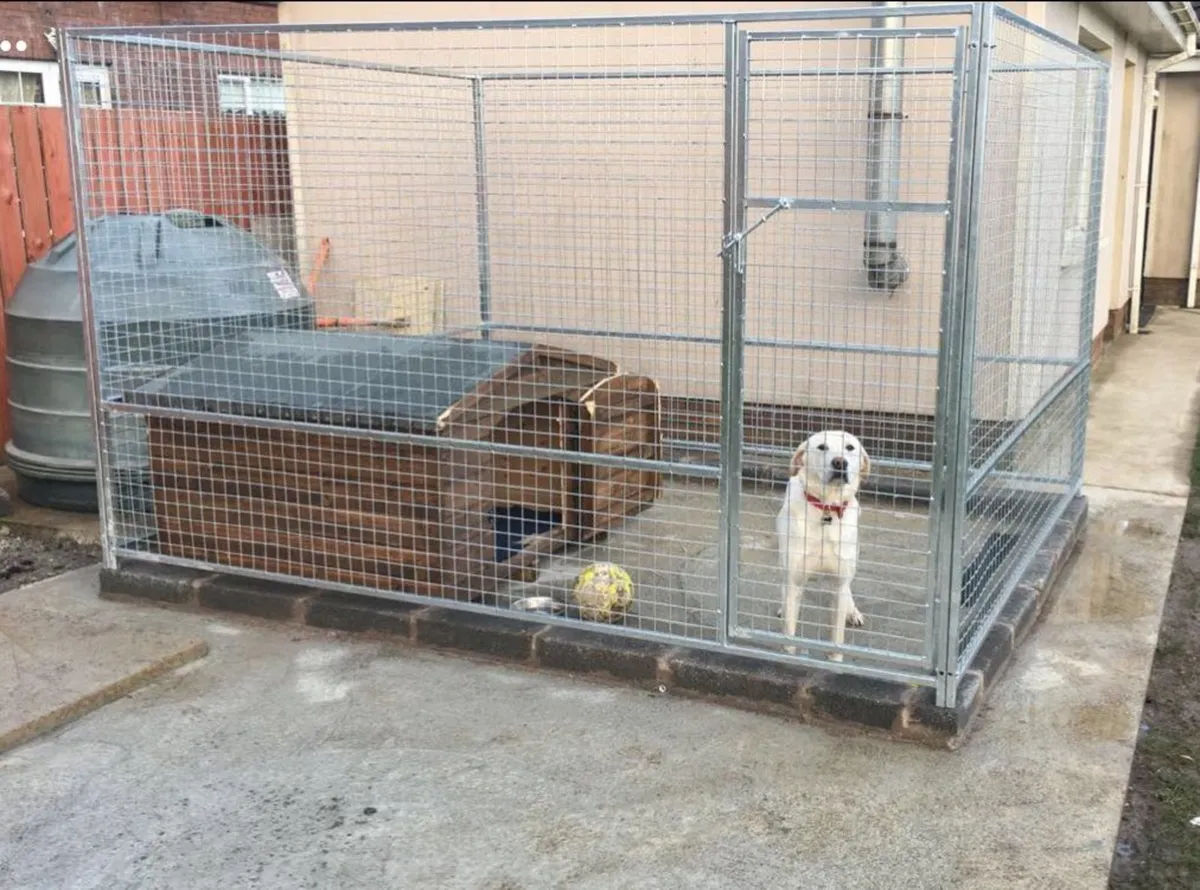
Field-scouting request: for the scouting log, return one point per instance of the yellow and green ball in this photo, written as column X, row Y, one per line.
column 603, row 592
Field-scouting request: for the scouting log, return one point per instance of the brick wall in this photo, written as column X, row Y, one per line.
column 145, row 78
column 30, row 21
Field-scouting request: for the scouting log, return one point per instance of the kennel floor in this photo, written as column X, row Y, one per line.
column 670, row 551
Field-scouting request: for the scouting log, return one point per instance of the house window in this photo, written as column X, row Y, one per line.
column 243, row 94
column 21, row 88
column 95, row 86
column 25, row 82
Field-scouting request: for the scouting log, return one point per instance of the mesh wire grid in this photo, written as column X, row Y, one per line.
column 819, row 337
column 1037, row 255
column 441, row 313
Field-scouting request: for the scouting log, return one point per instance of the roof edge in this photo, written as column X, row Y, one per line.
column 1161, row 28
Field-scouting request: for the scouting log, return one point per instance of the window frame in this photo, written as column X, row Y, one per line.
column 48, row 71
column 244, row 82
column 96, row 75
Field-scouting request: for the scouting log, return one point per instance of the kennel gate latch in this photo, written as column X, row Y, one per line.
column 731, row 241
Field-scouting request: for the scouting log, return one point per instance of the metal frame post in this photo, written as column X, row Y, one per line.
column 90, row 346
column 951, row 265
column 1091, row 256
column 481, row 209
column 956, row 367
column 733, row 307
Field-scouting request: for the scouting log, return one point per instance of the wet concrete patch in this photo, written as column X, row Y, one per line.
column 1108, row 721
column 1119, row 576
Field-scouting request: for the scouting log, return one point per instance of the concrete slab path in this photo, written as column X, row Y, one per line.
column 290, row 759
column 64, row 654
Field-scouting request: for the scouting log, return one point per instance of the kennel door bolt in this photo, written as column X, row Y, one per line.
column 737, row 238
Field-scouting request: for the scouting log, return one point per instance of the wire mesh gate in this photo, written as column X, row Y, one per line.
column 781, row 72
column 513, row 298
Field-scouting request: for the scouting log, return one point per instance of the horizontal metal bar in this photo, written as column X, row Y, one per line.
column 575, row 457
column 552, row 75
column 919, row 679
column 823, row 346
column 588, row 332
column 651, row 74
column 701, row 73
column 279, row 55
column 817, row 345
column 785, row 454
column 1047, row 361
column 843, row 33
column 713, row 18
column 1002, row 68
column 1020, row 428
column 854, row 348
column 1015, row 476
column 1086, row 55
column 780, row 639
column 625, row 74
column 849, row 204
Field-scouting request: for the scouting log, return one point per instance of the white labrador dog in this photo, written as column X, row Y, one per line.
column 817, row 526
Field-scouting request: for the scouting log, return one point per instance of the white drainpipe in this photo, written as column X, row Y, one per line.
column 1149, row 96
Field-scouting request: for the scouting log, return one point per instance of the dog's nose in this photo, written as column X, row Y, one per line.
column 838, row 463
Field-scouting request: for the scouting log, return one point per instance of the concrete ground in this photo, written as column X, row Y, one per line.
column 64, row 653
column 291, row 759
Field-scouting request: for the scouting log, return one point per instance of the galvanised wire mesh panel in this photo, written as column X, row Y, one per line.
column 493, row 295
column 827, row 346
column 1036, row 252
column 453, row 313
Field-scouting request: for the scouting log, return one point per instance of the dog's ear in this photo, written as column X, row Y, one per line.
column 799, row 456
column 865, row 470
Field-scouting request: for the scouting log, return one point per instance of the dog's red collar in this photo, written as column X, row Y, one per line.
column 828, row 509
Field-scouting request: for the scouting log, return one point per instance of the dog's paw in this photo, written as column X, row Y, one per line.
column 855, row 619
column 835, row 656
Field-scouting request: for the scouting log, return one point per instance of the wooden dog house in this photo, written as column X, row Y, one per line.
column 428, row 519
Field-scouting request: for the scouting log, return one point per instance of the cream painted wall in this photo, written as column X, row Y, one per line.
column 563, row 187
column 1066, row 19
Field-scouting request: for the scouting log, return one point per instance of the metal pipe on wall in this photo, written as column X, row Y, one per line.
column 482, row 232
column 887, row 267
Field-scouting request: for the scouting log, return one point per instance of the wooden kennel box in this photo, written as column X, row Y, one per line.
column 425, row 518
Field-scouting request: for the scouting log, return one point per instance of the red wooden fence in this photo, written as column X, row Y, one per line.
column 146, row 161
column 136, row 162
